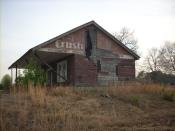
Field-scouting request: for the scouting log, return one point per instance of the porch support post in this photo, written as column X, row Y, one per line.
column 11, row 76
column 16, row 75
column 51, row 78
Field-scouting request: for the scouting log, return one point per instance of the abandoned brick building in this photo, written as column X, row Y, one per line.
column 85, row 55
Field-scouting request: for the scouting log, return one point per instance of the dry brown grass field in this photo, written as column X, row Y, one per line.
column 125, row 107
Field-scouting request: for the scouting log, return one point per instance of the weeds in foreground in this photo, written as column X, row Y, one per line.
column 135, row 99
column 99, row 108
column 169, row 96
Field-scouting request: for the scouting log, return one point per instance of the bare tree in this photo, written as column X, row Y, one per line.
column 152, row 60
column 127, row 38
column 167, row 58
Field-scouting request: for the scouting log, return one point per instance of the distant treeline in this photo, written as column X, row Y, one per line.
column 157, row 77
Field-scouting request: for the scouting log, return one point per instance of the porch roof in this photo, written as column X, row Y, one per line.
column 42, row 57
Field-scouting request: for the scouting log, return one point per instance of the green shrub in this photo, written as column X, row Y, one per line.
column 6, row 81
column 33, row 74
column 169, row 96
column 135, row 100
column 1, row 87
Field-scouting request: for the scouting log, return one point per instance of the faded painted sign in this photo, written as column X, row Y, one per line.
column 69, row 45
column 66, row 47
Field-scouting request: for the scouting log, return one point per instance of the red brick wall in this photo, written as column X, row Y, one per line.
column 70, row 70
column 85, row 72
column 126, row 69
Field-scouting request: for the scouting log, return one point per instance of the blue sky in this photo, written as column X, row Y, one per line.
column 26, row 23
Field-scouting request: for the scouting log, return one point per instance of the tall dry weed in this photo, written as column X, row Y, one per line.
column 38, row 95
column 74, row 108
column 138, row 88
column 61, row 91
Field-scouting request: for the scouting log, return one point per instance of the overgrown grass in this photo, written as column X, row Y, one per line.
column 123, row 106
column 169, row 96
column 135, row 99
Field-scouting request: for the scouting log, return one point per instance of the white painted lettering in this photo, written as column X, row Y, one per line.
column 70, row 45
column 62, row 45
column 78, row 46
column 67, row 45
column 57, row 44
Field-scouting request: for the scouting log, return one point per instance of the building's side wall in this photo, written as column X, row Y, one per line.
column 126, row 69
column 116, row 62
column 108, row 63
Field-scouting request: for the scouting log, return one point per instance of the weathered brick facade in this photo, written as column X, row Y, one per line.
column 81, row 71
column 85, row 71
column 126, row 69
column 86, row 55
